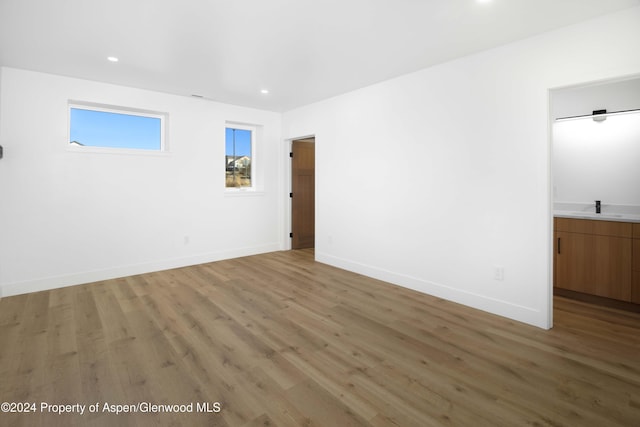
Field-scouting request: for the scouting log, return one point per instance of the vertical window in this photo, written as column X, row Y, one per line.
column 115, row 128
column 238, row 159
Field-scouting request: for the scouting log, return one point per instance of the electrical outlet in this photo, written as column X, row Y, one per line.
column 498, row 273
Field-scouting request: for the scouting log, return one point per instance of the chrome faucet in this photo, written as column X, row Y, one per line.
column 598, row 206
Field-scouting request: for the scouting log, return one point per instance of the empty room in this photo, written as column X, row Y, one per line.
column 428, row 213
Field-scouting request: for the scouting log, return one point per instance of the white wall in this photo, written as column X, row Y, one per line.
column 584, row 99
column 70, row 217
column 478, row 193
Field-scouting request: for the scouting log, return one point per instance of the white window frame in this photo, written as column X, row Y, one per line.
column 253, row 189
column 91, row 106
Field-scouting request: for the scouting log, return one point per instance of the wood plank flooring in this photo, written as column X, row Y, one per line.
column 280, row 340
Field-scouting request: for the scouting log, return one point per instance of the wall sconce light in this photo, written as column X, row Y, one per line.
column 599, row 115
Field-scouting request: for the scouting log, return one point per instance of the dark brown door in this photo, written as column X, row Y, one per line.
column 303, row 190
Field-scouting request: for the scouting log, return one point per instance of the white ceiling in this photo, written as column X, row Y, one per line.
column 300, row 50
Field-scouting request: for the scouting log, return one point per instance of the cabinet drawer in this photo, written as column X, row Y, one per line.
column 595, row 227
column 636, row 255
column 636, row 230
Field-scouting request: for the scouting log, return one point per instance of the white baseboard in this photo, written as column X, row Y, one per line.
column 47, row 283
column 506, row 309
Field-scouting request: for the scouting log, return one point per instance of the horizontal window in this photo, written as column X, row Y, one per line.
column 116, row 128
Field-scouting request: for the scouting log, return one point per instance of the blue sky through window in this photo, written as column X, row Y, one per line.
column 93, row 128
column 242, row 142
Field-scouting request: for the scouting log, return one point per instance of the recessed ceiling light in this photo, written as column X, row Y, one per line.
column 484, row 1
column 112, row 58
column 264, row 91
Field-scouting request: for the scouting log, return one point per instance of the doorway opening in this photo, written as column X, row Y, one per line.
column 303, row 183
column 595, row 203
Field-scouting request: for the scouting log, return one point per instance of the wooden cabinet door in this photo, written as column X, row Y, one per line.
column 593, row 264
column 303, row 196
column 635, row 286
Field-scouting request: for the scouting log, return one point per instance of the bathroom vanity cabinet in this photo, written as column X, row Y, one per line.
column 597, row 257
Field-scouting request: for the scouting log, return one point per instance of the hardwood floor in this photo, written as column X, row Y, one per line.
column 279, row 340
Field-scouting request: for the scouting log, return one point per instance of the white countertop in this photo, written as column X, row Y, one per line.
column 621, row 213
